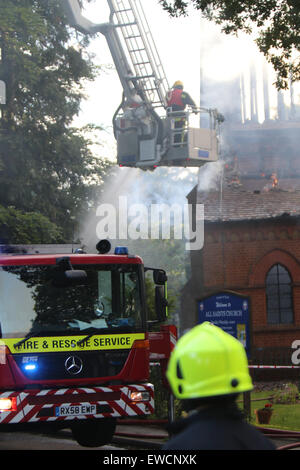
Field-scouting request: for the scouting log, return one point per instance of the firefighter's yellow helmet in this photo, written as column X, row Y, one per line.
column 208, row 362
column 178, row 83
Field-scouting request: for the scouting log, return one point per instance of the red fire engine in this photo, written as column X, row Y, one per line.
column 75, row 341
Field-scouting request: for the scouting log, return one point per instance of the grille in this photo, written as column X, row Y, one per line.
column 50, row 366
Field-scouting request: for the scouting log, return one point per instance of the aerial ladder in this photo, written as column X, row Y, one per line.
column 144, row 127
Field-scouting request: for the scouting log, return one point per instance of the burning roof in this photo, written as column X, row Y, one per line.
column 237, row 204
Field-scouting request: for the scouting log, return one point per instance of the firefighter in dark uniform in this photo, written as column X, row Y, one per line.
column 177, row 100
column 207, row 370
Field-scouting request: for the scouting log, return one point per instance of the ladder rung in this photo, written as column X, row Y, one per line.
column 122, row 11
column 125, row 24
column 141, row 63
column 141, row 77
column 136, row 50
column 132, row 37
column 145, row 76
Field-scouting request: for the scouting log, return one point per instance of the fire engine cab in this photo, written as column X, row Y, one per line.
column 75, row 345
column 146, row 131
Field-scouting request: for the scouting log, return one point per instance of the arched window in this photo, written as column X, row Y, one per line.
column 279, row 295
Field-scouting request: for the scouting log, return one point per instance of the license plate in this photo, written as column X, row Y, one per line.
column 75, row 410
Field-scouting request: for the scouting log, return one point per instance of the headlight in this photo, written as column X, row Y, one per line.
column 8, row 404
column 140, row 396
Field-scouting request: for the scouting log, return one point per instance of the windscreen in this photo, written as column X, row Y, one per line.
column 30, row 302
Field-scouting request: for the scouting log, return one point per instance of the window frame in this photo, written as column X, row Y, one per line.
column 274, row 281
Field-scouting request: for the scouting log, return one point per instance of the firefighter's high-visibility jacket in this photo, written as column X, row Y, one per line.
column 179, row 99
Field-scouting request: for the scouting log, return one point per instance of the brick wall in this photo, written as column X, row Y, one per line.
column 237, row 257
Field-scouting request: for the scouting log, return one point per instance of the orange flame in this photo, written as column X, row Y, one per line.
column 274, row 180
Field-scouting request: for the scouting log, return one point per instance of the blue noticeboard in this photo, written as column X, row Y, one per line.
column 230, row 312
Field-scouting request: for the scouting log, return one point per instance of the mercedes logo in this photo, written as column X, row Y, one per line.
column 73, row 365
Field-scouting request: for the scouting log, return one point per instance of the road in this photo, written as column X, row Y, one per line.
column 34, row 441
column 62, row 440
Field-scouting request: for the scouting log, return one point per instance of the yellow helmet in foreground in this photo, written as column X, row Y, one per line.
column 208, row 362
column 178, row 83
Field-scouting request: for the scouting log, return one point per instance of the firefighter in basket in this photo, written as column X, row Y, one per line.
column 177, row 100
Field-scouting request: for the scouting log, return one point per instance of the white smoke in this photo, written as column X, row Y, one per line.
column 163, row 186
column 209, row 176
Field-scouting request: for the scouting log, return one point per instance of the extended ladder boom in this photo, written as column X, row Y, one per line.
column 132, row 48
column 143, row 56
column 146, row 131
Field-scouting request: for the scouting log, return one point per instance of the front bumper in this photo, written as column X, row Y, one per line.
column 53, row 405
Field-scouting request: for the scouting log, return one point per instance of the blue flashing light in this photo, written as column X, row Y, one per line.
column 30, row 367
column 121, row 250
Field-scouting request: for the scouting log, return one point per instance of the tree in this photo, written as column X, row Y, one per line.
column 19, row 227
column 276, row 25
column 46, row 166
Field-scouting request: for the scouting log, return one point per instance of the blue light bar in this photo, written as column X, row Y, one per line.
column 121, row 250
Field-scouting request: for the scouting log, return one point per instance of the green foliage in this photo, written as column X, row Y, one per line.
column 275, row 24
column 161, row 396
column 27, row 227
column 284, row 416
column 288, row 395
